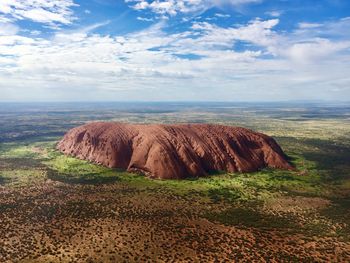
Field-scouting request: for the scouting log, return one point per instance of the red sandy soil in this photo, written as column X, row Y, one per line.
column 173, row 151
column 56, row 222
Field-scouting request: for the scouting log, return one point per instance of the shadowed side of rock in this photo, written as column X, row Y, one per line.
column 173, row 151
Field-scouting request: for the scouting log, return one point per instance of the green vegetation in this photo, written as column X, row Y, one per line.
column 71, row 170
column 20, row 177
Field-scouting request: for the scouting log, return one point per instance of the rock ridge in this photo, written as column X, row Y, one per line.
column 174, row 151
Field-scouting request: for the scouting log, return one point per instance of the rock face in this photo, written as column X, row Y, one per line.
column 173, row 151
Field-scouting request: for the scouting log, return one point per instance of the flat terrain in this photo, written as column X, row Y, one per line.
column 55, row 208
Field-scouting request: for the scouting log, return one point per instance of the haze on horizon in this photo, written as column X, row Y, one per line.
column 174, row 50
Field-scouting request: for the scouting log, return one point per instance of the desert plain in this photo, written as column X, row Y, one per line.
column 56, row 208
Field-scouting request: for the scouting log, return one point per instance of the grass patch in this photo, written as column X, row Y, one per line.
column 71, row 170
column 19, row 178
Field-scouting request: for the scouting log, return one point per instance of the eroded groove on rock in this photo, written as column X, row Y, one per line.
column 173, row 151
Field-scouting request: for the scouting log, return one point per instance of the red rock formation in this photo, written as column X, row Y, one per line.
column 173, row 151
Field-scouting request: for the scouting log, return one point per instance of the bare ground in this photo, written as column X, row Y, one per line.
column 57, row 222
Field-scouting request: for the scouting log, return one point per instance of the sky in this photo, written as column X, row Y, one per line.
column 174, row 50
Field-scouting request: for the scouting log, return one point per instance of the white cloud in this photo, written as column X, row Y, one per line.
column 7, row 29
column 35, row 32
column 203, row 61
column 41, row 11
column 173, row 7
column 4, row 19
column 256, row 32
column 232, row 2
column 105, row 63
column 144, row 19
column 222, row 15
column 274, row 13
column 339, row 29
column 316, row 50
column 309, row 25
